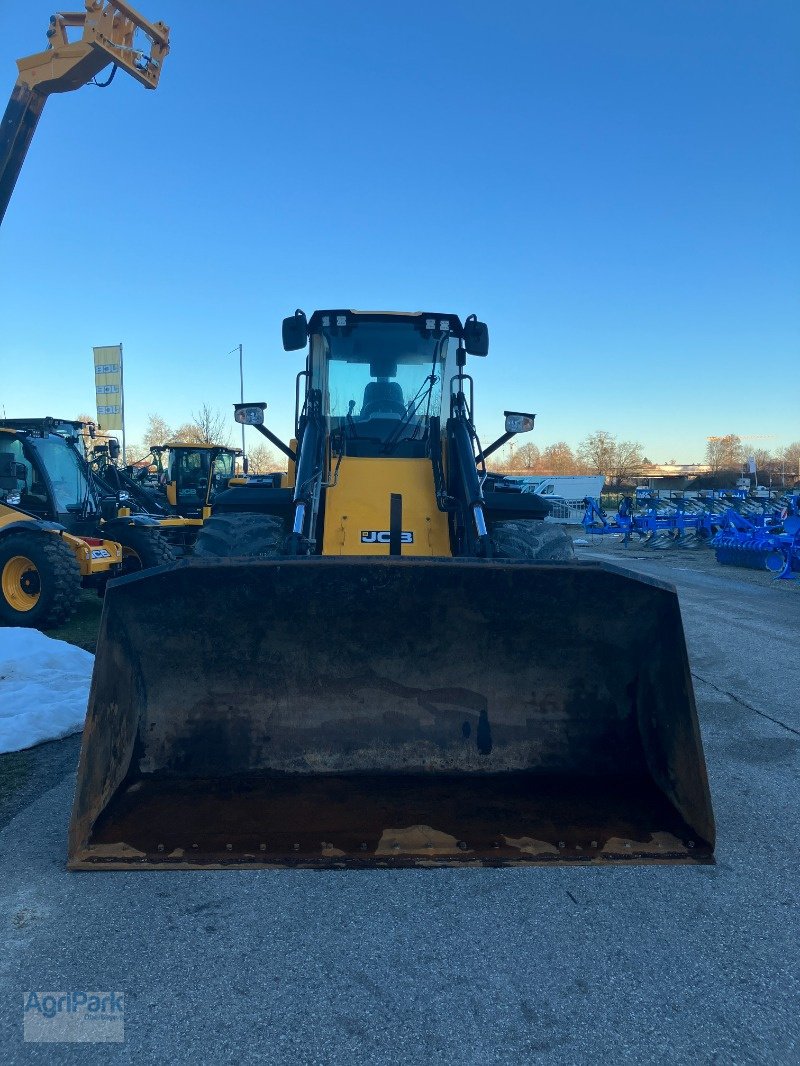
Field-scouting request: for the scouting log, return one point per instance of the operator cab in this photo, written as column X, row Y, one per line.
column 51, row 479
column 382, row 377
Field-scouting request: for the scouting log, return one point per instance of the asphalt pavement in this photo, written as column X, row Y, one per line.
column 682, row 964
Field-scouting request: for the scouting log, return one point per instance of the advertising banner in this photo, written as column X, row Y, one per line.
column 108, row 387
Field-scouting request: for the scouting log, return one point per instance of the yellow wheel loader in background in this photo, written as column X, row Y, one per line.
column 380, row 662
column 192, row 475
column 189, row 478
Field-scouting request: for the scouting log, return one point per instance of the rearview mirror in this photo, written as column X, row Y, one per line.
column 113, row 448
column 476, row 336
column 249, row 414
column 295, row 331
column 518, row 422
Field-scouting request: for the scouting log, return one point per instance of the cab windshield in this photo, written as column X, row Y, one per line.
column 223, row 472
column 65, row 472
column 383, row 381
column 189, row 467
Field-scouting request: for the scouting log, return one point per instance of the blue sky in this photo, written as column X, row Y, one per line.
column 612, row 186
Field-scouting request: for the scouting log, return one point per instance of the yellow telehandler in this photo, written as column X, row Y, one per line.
column 382, row 662
column 44, row 565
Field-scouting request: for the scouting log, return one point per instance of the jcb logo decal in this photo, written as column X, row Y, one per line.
column 383, row 536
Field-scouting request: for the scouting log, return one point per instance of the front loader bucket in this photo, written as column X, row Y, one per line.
column 341, row 712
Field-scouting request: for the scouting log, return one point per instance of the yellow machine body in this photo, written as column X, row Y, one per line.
column 95, row 557
column 357, row 512
column 108, row 30
column 99, row 556
column 169, row 459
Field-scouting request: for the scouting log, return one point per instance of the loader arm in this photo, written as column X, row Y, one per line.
column 108, row 31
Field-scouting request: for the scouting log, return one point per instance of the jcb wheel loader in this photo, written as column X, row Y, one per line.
column 380, row 663
column 193, row 475
column 189, row 478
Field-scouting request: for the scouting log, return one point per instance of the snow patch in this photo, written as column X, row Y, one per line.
column 44, row 688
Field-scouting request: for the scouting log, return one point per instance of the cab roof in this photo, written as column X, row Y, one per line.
column 453, row 321
column 191, row 446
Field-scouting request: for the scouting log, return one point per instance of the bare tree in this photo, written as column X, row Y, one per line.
column 602, row 453
column 790, row 461
column 558, row 458
column 524, row 457
column 157, row 430
column 210, row 427
column 627, row 460
column 763, row 457
column 598, row 452
column 724, row 453
column 263, row 460
column 502, row 461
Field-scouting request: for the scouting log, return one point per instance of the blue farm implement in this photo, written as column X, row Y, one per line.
column 658, row 526
column 773, row 544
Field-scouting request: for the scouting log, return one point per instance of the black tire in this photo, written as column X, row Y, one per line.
column 142, row 547
column 541, row 542
column 240, row 534
column 46, row 593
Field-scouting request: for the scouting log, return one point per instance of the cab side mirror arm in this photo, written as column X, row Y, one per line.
column 516, row 422
column 504, row 439
column 287, row 451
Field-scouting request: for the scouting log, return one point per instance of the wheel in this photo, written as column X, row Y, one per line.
column 541, row 542
column 238, row 534
column 40, row 580
column 142, row 547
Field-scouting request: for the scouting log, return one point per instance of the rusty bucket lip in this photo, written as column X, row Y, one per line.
column 83, row 863
column 374, row 562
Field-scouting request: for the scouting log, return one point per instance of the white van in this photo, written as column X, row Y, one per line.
column 566, row 493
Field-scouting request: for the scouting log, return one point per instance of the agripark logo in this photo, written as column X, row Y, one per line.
column 74, row 1017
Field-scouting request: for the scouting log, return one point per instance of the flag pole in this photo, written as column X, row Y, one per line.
column 122, row 394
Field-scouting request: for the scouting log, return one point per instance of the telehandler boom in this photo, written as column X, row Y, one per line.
column 108, row 30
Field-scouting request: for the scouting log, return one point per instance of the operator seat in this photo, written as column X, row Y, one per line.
column 383, row 396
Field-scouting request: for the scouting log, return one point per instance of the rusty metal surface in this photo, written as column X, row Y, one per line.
column 403, row 820
column 559, row 694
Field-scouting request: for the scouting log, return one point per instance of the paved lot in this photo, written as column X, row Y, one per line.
column 585, row 965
